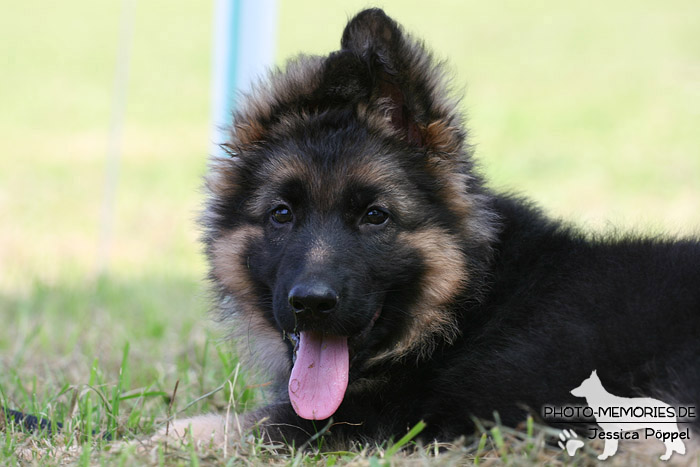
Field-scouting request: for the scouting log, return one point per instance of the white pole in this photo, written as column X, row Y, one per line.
column 245, row 34
column 116, row 134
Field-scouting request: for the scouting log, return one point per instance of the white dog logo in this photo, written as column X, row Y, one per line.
column 608, row 408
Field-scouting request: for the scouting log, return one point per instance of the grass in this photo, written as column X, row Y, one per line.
column 590, row 109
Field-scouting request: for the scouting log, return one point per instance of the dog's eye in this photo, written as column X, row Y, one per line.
column 375, row 216
column 282, row 214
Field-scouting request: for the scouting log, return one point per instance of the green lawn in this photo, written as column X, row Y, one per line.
column 590, row 108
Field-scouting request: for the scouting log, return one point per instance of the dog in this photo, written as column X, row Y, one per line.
column 365, row 266
column 615, row 424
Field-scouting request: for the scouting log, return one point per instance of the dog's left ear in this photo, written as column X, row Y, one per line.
column 406, row 81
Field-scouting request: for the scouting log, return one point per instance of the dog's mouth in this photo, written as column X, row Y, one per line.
column 321, row 366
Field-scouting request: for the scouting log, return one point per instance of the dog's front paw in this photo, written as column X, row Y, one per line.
column 216, row 431
column 204, row 429
column 209, row 431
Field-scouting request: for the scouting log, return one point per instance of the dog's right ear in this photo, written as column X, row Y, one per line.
column 372, row 33
column 405, row 81
column 365, row 68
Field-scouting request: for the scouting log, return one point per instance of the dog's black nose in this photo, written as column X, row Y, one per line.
column 315, row 299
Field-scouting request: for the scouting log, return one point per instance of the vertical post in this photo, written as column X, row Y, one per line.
column 244, row 48
column 116, row 134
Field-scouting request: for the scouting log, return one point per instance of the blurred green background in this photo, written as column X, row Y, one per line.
column 590, row 108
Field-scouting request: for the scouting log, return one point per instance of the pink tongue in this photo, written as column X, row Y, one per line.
column 320, row 375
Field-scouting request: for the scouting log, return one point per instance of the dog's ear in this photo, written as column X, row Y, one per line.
column 404, row 80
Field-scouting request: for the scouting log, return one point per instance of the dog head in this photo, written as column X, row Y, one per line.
column 346, row 216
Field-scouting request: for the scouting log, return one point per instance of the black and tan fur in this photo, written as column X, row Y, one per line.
column 463, row 301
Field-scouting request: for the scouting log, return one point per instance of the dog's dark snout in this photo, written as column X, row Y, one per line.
column 316, row 299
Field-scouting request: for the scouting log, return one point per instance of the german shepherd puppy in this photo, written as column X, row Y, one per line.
column 362, row 262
